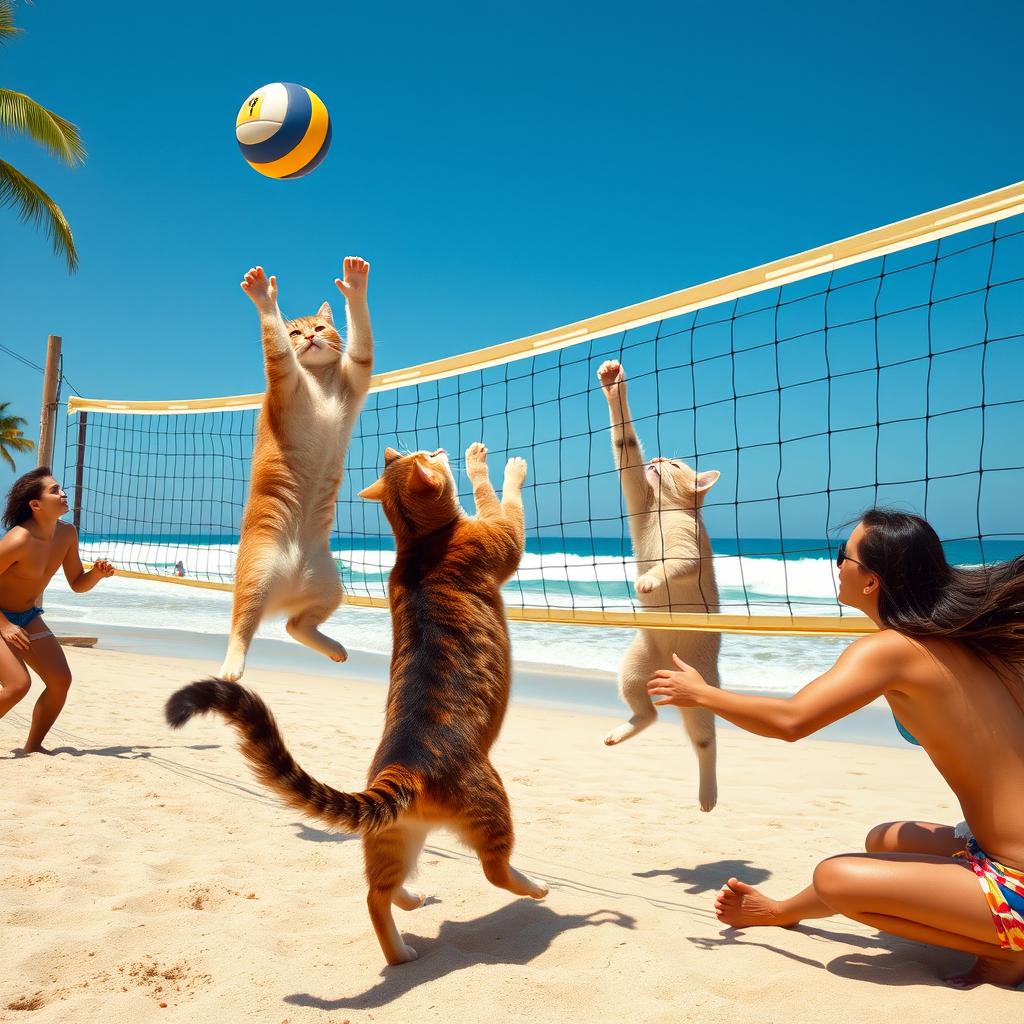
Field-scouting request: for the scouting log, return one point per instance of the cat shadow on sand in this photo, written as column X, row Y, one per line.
column 710, row 877
column 125, row 753
column 514, row 934
column 896, row 962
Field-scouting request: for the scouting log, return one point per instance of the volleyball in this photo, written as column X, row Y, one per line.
column 283, row 130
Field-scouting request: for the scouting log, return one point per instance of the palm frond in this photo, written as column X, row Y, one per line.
column 7, row 26
column 35, row 206
column 21, row 113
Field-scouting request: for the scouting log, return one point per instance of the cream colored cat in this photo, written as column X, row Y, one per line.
column 314, row 394
column 673, row 555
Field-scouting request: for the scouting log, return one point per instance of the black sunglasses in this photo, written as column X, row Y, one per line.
column 842, row 556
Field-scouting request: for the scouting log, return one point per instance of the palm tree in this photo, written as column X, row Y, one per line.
column 20, row 113
column 11, row 436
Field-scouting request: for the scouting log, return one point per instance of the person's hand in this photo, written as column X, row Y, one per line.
column 681, row 689
column 103, row 568
column 15, row 637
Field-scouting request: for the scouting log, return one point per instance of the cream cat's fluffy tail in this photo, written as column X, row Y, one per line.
column 390, row 793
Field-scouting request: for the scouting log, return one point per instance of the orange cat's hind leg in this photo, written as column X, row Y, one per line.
column 320, row 597
column 390, row 856
column 246, row 613
column 303, row 627
column 486, row 825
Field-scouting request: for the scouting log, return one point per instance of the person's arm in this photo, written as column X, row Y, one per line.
column 10, row 549
column 80, row 581
column 864, row 671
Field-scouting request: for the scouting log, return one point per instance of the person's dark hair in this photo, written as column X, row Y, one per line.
column 25, row 489
column 922, row 595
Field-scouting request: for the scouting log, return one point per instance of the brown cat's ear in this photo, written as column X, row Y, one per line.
column 706, row 480
column 423, row 479
column 324, row 313
column 375, row 492
column 390, row 455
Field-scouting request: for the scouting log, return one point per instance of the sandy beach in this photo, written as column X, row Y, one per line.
column 146, row 876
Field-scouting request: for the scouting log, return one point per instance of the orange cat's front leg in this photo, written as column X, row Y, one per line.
column 278, row 354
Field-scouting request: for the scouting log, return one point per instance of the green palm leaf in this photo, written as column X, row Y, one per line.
column 20, row 113
column 35, row 206
column 7, row 29
column 11, row 438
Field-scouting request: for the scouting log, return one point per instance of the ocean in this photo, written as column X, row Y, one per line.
column 583, row 572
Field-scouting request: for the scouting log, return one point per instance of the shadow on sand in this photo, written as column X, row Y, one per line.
column 710, row 877
column 896, row 962
column 515, row 934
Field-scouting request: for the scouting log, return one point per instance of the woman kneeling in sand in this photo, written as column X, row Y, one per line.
column 35, row 546
column 949, row 659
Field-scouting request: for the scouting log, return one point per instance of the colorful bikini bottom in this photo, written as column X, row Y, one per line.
column 1003, row 888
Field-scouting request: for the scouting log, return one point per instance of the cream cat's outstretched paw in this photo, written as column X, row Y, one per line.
column 260, row 289
column 647, row 583
column 476, row 462
column 612, row 376
column 356, row 275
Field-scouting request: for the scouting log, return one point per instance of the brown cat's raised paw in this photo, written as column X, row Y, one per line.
column 476, row 461
column 515, row 471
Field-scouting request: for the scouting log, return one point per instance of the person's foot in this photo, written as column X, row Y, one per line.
column 38, row 749
column 991, row 971
column 741, row 906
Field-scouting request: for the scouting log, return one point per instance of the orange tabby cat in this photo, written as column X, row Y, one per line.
column 314, row 394
column 450, row 678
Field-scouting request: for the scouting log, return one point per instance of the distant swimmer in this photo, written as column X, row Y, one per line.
column 179, row 568
column 35, row 546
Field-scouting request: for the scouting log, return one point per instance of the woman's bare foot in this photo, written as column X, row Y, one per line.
column 741, row 906
column 991, row 971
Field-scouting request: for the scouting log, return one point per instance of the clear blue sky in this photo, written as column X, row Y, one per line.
column 505, row 169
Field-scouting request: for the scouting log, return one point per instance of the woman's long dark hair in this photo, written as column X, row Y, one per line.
column 922, row 595
column 25, row 489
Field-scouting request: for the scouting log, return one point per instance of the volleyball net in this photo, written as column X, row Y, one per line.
column 886, row 368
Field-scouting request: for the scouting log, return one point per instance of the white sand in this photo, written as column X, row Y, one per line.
column 142, row 867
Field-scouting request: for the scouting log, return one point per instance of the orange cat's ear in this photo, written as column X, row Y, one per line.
column 423, row 479
column 707, row 480
column 390, row 455
column 324, row 313
column 375, row 492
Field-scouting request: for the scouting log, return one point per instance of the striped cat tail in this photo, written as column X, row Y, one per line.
column 390, row 793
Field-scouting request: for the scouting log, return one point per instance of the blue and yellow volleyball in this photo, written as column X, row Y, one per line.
column 283, row 130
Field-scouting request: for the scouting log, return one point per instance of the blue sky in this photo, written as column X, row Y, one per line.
column 504, row 169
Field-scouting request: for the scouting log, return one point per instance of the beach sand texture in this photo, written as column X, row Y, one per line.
column 146, row 876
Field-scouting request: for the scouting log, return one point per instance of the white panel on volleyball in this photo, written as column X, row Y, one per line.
column 272, row 112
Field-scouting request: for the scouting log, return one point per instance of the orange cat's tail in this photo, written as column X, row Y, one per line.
column 390, row 793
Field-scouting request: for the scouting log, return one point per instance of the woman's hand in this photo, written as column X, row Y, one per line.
column 681, row 689
column 14, row 636
column 103, row 568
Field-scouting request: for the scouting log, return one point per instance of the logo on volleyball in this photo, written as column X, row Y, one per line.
column 283, row 130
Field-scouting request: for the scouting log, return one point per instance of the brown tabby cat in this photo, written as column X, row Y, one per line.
column 314, row 394
column 450, row 678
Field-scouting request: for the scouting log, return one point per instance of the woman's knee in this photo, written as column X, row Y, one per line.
column 59, row 679
column 17, row 687
column 883, row 838
column 834, row 880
